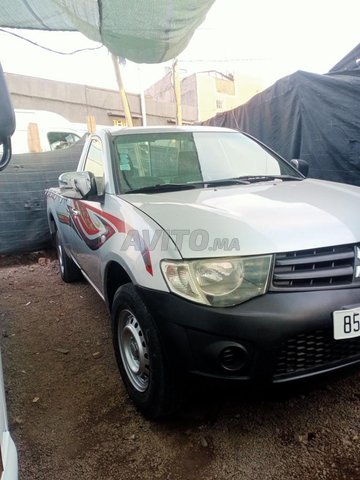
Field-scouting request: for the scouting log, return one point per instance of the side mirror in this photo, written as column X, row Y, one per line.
column 7, row 121
column 301, row 165
column 77, row 185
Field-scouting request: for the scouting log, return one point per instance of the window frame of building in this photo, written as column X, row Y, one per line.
column 219, row 104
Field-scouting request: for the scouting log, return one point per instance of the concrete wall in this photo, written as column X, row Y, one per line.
column 162, row 90
column 76, row 102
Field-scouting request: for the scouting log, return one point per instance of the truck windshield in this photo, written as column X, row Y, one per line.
column 182, row 158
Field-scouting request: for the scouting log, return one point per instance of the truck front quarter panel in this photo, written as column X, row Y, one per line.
column 138, row 245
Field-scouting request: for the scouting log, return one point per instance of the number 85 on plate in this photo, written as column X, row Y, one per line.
column 346, row 323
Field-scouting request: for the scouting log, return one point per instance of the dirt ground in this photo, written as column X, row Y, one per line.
column 71, row 419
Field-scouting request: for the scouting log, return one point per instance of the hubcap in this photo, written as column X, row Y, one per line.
column 133, row 350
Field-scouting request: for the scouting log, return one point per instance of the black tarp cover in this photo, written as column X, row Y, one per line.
column 23, row 220
column 308, row 116
column 351, row 61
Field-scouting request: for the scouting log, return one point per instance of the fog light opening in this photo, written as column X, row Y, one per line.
column 232, row 358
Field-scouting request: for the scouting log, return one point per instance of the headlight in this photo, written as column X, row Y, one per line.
column 220, row 282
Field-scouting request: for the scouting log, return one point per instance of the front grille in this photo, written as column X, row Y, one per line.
column 317, row 268
column 315, row 350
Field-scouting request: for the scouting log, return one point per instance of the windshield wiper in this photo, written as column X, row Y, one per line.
column 225, row 181
column 267, row 178
column 169, row 187
column 164, row 187
column 244, row 180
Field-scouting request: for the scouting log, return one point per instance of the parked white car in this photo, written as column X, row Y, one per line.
column 42, row 131
column 8, row 449
column 8, row 465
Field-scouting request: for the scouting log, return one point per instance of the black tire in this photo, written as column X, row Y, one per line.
column 68, row 270
column 151, row 382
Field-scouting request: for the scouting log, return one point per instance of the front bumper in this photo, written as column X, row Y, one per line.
column 275, row 338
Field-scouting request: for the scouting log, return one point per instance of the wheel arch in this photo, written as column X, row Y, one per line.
column 52, row 224
column 115, row 276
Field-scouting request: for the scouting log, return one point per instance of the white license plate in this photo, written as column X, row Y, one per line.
column 346, row 323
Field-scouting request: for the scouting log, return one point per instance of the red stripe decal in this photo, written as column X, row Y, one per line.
column 119, row 224
column 85, row 223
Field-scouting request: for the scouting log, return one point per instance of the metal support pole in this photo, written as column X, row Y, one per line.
column 142, row 98
column 177, row 89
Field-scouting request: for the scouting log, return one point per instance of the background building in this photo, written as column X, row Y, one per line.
column 78, row 102
column 209, row 92
column 202, row 96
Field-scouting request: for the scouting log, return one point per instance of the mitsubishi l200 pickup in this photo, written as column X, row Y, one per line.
column 215, row 257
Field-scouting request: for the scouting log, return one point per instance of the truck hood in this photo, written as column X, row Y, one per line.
column 255, row 219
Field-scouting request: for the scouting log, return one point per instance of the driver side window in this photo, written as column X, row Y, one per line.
column 95, row 164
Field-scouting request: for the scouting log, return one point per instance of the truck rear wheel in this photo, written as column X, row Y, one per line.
column 149, row 379
column 68, row 270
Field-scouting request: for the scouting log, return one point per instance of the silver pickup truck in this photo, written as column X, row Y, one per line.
column 215, row 256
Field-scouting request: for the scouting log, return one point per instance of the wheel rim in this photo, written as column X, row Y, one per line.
column 133, row 350
column 60, row 257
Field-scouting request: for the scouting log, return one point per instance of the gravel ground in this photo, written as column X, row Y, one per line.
column 71, row 419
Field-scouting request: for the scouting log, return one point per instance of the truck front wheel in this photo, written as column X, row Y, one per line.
column 149, row 379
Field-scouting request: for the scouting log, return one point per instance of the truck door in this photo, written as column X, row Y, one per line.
column 88, row 229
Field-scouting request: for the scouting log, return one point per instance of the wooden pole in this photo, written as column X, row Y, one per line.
column 33, row 137
column 123, row 96
column 91, row 123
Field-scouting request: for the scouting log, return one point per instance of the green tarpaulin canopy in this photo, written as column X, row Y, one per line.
column 149, row 31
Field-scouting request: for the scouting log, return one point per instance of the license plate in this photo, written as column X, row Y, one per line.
column 346, row 323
